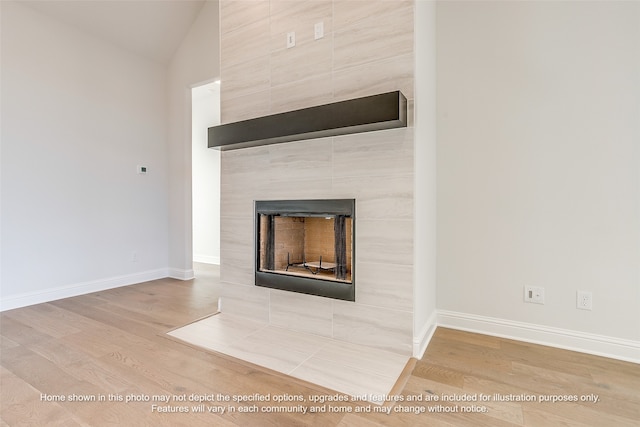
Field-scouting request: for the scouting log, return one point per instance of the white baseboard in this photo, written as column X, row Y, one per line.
column 177, row 273
column 421, row 341
column 31, row 298
column 206, row 259
column 599, row 345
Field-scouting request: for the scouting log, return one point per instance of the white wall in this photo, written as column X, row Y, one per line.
column 538, row 163
column 205, row 166
column 424, row 287
column 196, row 61
column 78, row 115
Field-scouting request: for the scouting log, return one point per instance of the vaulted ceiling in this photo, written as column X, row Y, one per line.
column 151, row 28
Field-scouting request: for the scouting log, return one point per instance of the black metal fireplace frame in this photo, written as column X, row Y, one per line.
column 306, row 285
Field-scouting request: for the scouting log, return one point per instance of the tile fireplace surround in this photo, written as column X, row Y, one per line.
column 375, row 169
column 368, row 48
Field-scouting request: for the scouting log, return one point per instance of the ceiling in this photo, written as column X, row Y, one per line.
column 151, row 28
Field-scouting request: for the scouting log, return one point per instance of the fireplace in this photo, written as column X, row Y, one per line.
column 306, row 246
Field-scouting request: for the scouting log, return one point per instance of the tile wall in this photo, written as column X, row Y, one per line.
column 367, row 48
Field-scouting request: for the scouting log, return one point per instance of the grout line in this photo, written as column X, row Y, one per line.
column 303, row 362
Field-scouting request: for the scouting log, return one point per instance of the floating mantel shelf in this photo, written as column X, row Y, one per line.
column 376, row 112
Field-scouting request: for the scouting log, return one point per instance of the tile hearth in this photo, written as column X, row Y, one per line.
column 347, row 368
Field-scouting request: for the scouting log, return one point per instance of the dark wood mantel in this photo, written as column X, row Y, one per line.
column 369, row 113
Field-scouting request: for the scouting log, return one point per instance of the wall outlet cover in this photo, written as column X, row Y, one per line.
column 534, row 294
column 318, row 30
column 291, row 39
column 584, row 300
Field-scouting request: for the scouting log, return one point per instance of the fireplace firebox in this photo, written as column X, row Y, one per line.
column 306, row 246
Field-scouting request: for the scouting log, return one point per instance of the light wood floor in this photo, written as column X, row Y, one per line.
column 113, row 344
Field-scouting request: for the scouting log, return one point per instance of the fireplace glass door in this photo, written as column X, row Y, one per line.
column 311, row 246
column 307, row 239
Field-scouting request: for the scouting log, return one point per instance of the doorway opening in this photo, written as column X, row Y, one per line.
column 205, row 190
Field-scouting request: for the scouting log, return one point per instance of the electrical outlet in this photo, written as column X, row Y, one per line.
column 318, row 30
column 134, row 256
column 534, row 294
column 291, row 39
column 584, row 300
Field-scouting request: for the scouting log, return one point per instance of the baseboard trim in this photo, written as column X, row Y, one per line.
column 206, row 259
column 31, row 298
column 421, row 341
column 599, row 345
column 177, row 273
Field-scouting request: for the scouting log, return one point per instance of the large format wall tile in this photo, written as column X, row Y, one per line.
column 378, row 196
column 348, row 12
column 245, row 78
column 313, row 58
column 299, row 312
column 237, row 249
column 367, row 48
column 304, row 189
column 246, row 43
column 381, row 76
column 374, row 38
column 234, row 14
column 237, row 234
column 385, row 329
column 249, row 188
column 243, row 161
column 311, row 91
column 384, row 285
column 385, row 152
column 300, row 17
column 384, row 241
column 293, row 15
column 236, row 266
column 247, row 301
column 301, row 160
column 234, row 203
column 245, row 106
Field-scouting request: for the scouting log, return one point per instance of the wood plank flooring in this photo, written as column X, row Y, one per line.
column 112, row 345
